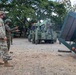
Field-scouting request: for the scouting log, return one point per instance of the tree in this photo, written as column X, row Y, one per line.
column 20, row 10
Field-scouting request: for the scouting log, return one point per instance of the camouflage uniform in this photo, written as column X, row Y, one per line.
column 3, row 44
column 8, row 32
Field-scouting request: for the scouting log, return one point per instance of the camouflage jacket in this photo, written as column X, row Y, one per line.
column 2, row 29
column 9, row 30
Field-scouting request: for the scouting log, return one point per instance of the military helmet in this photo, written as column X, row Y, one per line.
column 7, row 20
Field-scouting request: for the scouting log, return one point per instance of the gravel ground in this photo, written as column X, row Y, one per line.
column 40, row 59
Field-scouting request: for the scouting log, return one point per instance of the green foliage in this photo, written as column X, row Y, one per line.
column 20, row 10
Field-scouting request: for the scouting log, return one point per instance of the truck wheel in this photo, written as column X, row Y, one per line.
column 37, row 41
column 33, row 41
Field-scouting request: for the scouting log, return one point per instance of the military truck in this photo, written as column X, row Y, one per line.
column 43, row 32
column 68, row 32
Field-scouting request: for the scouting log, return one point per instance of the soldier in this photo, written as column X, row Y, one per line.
column 8, row 31
column 3, row 44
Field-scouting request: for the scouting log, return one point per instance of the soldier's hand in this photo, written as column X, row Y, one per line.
column 17, row 30
column 16, row 27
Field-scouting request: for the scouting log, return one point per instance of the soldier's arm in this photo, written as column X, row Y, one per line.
column 10, row 29
column 2, row 31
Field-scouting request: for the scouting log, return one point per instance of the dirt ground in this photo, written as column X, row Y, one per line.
column 40, row 59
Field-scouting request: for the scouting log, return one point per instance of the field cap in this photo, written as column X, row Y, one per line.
column 2, row 12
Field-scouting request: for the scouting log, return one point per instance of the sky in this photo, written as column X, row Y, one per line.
column 73, row 2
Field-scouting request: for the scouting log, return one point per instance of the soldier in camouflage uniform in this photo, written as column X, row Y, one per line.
column 8, row 31
column 3, row 44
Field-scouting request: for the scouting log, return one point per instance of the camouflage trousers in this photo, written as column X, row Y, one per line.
column 3, row 50
column 8, row 43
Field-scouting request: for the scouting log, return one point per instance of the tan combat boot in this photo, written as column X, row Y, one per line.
column 7, row 64
column 1, row 63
